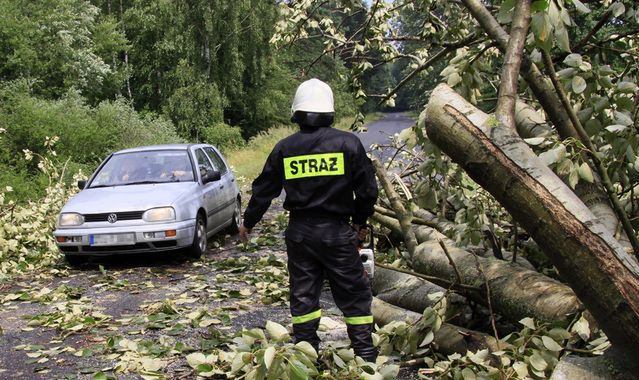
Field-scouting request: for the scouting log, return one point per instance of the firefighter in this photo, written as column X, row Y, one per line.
column 330, row 192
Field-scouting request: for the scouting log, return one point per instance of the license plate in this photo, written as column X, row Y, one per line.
column 112, row 239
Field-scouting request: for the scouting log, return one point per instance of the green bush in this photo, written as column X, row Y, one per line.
column 86, row 133
column 223, row 136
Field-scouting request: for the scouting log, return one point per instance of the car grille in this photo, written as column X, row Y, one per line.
column 129, row 215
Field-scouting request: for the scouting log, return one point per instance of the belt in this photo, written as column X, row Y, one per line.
column 317, row 215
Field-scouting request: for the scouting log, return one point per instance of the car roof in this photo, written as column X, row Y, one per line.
column 160, row 147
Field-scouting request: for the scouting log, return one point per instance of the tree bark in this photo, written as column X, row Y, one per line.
column 507, row 98
column 411, row 293
column 597, row 267
column 448, row 340
column 516, row 292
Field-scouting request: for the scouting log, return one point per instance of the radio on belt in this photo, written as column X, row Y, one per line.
column 366, row 250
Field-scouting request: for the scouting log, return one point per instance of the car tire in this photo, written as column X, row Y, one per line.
column 200, row 241
column 236, row 220
column 75, row 260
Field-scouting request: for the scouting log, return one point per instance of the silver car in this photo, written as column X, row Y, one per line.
column 150, row 199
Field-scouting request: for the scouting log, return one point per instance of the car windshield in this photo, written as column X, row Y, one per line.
column 144, row 167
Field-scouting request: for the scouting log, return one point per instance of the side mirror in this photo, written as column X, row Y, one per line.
column 82, row 184
column 211, row 176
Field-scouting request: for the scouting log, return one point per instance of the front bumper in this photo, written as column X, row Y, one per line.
column 83, row 244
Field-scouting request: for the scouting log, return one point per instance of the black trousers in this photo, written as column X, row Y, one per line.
column 321, row 248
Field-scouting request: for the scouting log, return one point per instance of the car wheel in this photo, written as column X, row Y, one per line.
column 75, row 260
column 199, row 238
column 236, row 221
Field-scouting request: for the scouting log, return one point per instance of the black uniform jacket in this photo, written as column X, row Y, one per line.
column 324, row 171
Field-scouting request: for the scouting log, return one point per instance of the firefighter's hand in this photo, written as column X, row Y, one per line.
column 361, row 232
column 244, row 233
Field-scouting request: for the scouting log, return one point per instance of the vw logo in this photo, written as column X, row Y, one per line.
column 112, row 218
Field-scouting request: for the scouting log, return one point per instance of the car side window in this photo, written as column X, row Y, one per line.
column 218, row 162
column 203, row 164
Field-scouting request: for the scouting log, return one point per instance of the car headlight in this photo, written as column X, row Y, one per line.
column 160, row 214
column 70, row 219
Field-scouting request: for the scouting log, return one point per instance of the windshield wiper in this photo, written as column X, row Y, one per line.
column 140, row 183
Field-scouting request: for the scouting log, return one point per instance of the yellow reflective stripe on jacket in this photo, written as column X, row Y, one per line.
column 307, row 317
column 314, row 165
column 359, row 320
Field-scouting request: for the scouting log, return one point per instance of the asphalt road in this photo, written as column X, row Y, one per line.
column 381, row 131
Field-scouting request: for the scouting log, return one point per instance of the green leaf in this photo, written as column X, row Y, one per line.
column 528, row 322
column 521, row 368
column 297, row 373
column 618, row 9
column 585, row 172
column 623, row 118
column 427, row 339
column 561, row 34
column 573, row 60
column 277, row 332
column 573, row 178
column 581, row 7
column 307, row 349
column 204, row 367
column 539, row 5
column 566, row 73
column 535, row 140
column 615, row 128
column 100, row 376
column 578, row 84
column 468, row 374
column 269, row 354
column 537, row 362
column 551, row 156
column 338, row 361
column 550, row 344
column 627, row 87
column 582, row 328
column 564, row 168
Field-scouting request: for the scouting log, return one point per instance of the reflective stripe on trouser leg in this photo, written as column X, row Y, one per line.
column 307, row 317
column 363, row 320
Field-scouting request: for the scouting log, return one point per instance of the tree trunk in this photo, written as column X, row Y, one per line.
column 448, row 340
column 597, row 267
column 516, row 292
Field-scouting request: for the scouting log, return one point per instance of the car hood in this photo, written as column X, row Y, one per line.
column 128, row 198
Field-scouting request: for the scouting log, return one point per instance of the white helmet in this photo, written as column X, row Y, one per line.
column 313, row 96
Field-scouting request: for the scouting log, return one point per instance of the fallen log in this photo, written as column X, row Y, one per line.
column 411, row 293
column 598, row 268
column 448, row 339
column 516, row 292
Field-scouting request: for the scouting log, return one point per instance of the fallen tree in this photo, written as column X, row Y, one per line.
column 516, row 292
column 598, row 268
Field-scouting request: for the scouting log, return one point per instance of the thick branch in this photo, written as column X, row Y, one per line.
column 404, row 217
column 505, row 112
column 538, row 83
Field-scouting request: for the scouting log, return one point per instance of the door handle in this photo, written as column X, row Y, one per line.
column 221, row 187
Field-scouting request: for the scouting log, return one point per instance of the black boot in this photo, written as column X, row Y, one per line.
column 362, row 342
column 307, row 332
